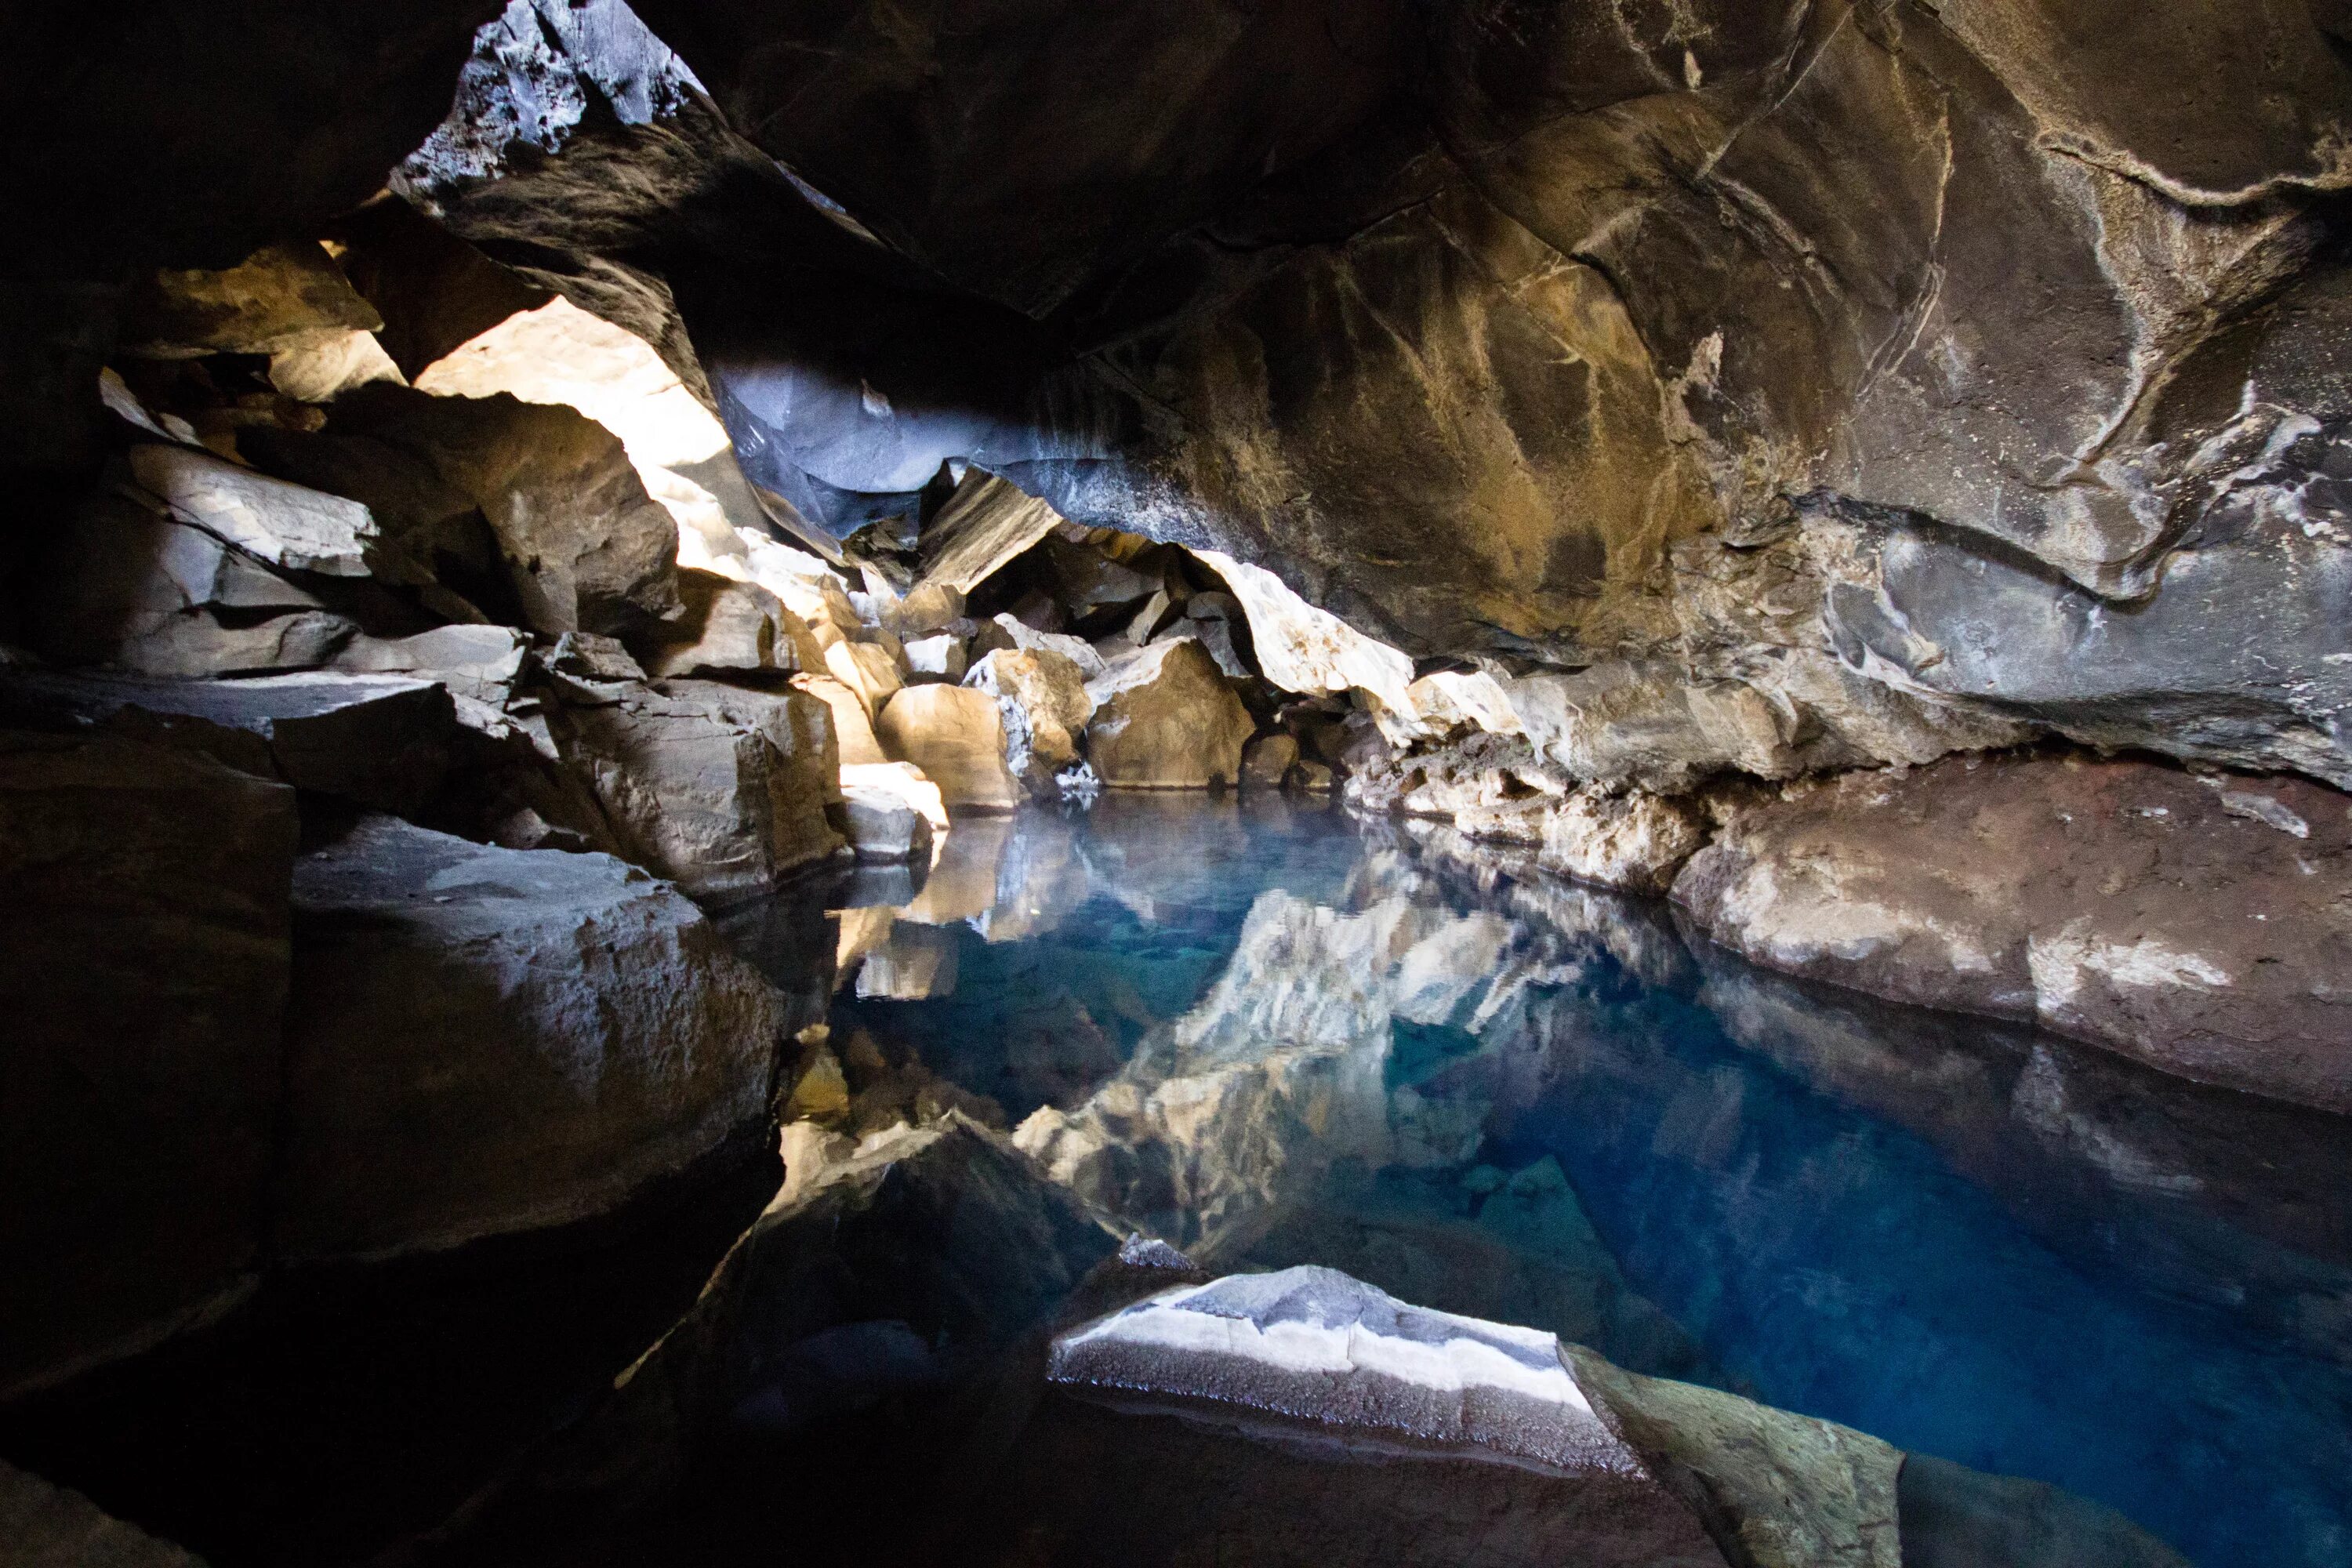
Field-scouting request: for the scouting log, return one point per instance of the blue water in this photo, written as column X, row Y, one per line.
column 1274, row 1035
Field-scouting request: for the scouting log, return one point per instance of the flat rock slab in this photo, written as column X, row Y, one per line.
column 2196, row 923
column 482, row 1041
column 146, row 929
column 382, row 740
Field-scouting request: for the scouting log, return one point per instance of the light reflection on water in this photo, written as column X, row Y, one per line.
column 1274, row 1036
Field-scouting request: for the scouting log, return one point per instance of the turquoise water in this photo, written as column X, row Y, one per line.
column 1274, row 1036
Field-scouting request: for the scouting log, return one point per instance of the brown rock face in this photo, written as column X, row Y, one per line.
column 1164, row 718
column 2200, row 925
column 146, row 933
column 956, row 735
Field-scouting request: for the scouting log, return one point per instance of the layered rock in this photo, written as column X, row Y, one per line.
column 1165, row 718
column 2191, row 921
column 147, row 926
column 482, row 1041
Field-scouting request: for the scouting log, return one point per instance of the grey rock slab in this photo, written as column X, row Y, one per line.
column 285, row 524
column 482, row 1041
column 146, row 929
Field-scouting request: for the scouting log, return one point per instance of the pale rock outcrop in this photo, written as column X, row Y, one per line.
column 1044, row 705
column 1164, row 718
column 985, row 525
column 940, row 657
column 868, row 670
column 285, row 525
column 732, row 627
column 146, row 927
column 721, row 789
column 47, row 1526
column 955, row 734
column 1028, row 639
column 1302, row 649
column 482, row 1041
column 2193, row 923
column 852, row 723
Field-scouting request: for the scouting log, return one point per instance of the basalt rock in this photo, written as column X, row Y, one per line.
column 955, row 734
column 482, row 1041
column 147, row 929
column 1164, row 718
column 2191, row 921
column 1041, row 700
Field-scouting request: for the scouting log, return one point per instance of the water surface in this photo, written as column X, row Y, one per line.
column 1274, row 1035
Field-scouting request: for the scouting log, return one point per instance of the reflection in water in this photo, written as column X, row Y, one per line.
column 1274, row 1037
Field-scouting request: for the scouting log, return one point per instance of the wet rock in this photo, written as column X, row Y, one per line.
column 881, row 824
column 147, row 930
column 1954, row 1516
column 47, row 1526
column 1165, row 718
column 955, row 734
column 2148, row 916
column 482, row 1041
column 721, row 789
column 1044, row 705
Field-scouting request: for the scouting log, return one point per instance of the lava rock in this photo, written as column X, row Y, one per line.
column 1041, row 700
column 482, row 1041
column 732, row 627
column 1268, row 759
column 147, row 932
column 2180, row 920
column 1164, row 718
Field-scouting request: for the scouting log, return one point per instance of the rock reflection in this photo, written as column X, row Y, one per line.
column 1277, row 1040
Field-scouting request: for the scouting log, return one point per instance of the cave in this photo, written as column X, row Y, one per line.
column 1264, row 782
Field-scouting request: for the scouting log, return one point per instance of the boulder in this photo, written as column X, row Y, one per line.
column 904, row 780
column 282, row 296
column 382, row 740
column 956, row 735
column 1164, row 718
column 852, row 723
column 1267, row 761
column 146, row 929
column 1028, row 639
column 867, row 669
column 47, row 1526
column 2187, row 921
column 986, row 524
column 480, row 663
column 1043, row 705
column 938, row 658
column 732, row 627
column 481, row 1041
column 882, row 825
column 285, row 525
column 721, row 789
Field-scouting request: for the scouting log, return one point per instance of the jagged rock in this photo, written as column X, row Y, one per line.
column 719, row 789
column 1165, row 718
column 482, row 1041
column 146, row 927
column 380, row 740
column 281, row 297
column 955, row 734
column 1028, row 639
column 1267, row 761
column 47, row 1526
column 322, row 371
column 867, row 669
column 2180, row 920
column 732, row 627
column 986, row 524
column 1302, row 649
column 283, row 524
column 1042, row 704
column 927, row 607
column 941, row 657
column 852, row 723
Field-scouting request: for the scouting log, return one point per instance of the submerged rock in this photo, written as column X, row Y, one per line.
column 2189, row 921
column 1164, row 718
column 146, row 929
column 482, row 1041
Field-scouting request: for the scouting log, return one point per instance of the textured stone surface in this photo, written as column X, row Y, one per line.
column 718, row 788
column 731, row 627
column 285, row 525
column 2195, row 923
column 1165, row 718
column 47, row 1526
column 483, row 1040
column 146, row 927
column 1043, row 703
column 955, row 734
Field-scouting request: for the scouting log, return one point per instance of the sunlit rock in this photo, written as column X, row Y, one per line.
column 146, row 925
column 732, row 627
column 880, row 822
column 1302, row 649
column 1164, row 718
column 450, row 1079
column 1044, row 705
column 940, row 657
column 323, row 371
column 905, row 781
column 986, row 524
column 719, row 789
column 852, row 723
column 1028, row 639
column 867, row 669
column 2180, row 920
column 956, row 735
